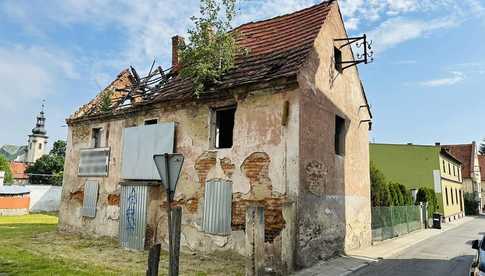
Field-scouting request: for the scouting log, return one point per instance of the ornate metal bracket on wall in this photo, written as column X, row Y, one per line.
column 360, row 42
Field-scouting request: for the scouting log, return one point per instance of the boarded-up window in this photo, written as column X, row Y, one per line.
column 217, row 207
column 90, row 199
column 94, row 162
column 140, row 144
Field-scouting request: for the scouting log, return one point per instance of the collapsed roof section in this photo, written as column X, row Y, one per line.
column 275, row 49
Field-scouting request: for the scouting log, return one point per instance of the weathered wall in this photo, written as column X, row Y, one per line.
column 44, row 198
column 262, row 166
column 334, row 199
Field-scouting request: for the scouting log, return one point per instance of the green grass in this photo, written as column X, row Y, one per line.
column 30, row 245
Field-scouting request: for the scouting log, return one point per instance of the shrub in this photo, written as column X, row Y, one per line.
column 380, row 192
column 471, row 205
column 428, row 195
column 5, row 166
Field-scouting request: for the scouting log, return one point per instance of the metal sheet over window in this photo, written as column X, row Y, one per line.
column 133, row 213
column 94, row 162
column 139, row 146
column 217, row 207
column 90, row 198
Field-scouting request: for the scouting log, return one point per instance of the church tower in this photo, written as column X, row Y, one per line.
column 38, row 139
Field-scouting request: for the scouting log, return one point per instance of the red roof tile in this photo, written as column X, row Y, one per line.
column 18, row 170
column 464, row 154
column 276, row 47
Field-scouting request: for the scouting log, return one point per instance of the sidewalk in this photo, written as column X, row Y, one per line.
column 357, row 259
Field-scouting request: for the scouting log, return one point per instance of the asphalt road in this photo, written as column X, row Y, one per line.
column 449, row 253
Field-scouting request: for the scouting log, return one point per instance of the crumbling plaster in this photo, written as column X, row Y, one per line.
column 261, row 165
column 334, row 201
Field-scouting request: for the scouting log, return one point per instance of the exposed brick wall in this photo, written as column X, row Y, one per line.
column 77, row 195
column 227, row 166
column 273, row 215
column 204, row 164
column 114, row 199
column 256, row 169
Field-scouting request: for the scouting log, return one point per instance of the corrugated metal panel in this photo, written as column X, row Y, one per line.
column 94, row 162
column 133, row 213
column 139, row 146
column 217, row 207
column 90, row 198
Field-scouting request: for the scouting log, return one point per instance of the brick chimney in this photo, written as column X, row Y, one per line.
column 177, row 41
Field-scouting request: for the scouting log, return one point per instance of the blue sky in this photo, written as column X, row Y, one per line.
column 425, row 85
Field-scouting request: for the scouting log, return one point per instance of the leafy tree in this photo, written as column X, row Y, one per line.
column 482, row 147
column 5, row 166
column 46, row 170
column 212, row 48
column 59, row 148
column 105, row 102
column 428, row 195
column 406, row 195
column 380, row 192
column 471, row 204
column 396, row 194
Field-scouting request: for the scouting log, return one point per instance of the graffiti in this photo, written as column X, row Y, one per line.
column 130, row 212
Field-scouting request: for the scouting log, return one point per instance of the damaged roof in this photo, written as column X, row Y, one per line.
column 276, row 48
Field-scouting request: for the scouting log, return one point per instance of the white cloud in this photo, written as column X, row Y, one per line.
column 30, row 73
column 454, row 79
column 398, row 30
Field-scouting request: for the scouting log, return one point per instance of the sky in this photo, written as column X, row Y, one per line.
column 425, row 85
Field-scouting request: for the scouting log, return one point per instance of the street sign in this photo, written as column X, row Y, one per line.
column 169, row 166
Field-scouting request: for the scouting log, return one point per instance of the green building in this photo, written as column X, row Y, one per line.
column 423, row 166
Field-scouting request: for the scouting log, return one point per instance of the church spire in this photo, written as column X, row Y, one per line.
column 40, row 125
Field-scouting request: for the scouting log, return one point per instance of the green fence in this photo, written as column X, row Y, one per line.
column 390, row 222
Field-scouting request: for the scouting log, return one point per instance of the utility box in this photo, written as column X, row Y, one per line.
column 437, row 221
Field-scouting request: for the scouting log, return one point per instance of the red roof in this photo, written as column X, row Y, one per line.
column 481, row 161
column 464, row 153
column 18, row 170
column 276, row 48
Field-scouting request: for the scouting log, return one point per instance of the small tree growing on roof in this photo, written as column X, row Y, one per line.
column 212, row 48
column 105, row 100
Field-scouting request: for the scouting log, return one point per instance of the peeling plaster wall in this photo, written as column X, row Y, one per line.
column 262, row 167
column 334, row 198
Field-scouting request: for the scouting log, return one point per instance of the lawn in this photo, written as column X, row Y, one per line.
column 30, row 245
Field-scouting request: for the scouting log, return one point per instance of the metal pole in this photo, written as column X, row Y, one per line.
column 169, row 219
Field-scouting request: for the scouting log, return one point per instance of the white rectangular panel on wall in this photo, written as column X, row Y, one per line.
column 140, row 144
column 94, row 162
column 437, row 181
column 90, row 199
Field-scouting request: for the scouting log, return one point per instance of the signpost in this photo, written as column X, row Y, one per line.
column 169, row 166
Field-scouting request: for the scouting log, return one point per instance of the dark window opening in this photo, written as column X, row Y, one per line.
column 40, row 146
column 446, row 193
column 444, row 166
column 449, row 169
column 96, row 138
column 151, row 122
column 456, row 194
column 338, row 59
column 224, row 127
column 452, row 200
column 339, row 135
column 461, row 202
